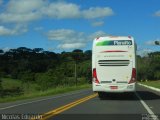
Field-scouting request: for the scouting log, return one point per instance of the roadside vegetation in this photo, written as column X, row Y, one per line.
column 16, row 90
column 34, row 72
column 149, row 69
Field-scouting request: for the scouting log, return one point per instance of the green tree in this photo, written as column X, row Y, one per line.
column 1, row 51
column 88, row 54
column 1, row 88
column 149, row 66
column 157, row 75
column 26, row 77
column 45, row 80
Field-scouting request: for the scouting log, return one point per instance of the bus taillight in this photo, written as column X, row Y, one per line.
column 95, row 79
column 133, row 77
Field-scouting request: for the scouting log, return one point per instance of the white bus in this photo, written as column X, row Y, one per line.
column 113, row 64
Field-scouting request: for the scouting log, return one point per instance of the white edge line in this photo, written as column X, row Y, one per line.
column 39, row 100
column 155, row 117
column 150, row 87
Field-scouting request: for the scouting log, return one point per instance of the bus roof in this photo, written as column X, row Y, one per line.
column 114, row 38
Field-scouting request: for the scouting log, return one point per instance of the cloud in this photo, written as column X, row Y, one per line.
column 18, row 29
column 26, row 11
column 6, row 49
column 70, row 36
column 22, row 11
column 97, row 12
column 144, row 52
column 71, row 45
column 98, row 23
column 4, row 31
column 24, row 6
column 97, row 34
column 18, row 18
column 62, row 10
column 151, row 42
column 1, row 2
column 157, row 13
column 38, row 28
column 70, row 39
column 65, row 35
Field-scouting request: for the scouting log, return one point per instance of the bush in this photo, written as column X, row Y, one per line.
column 157, row 75
column 26, row 76
column 68, row 81
column 14, row 91
column 1, row 86
column 45, row 81
column 82, row 80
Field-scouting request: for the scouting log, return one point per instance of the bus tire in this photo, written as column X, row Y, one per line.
column 101, row 95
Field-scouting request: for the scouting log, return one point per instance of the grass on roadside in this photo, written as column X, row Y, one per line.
column 53, row 91
column 8, row 83
column 155, row 84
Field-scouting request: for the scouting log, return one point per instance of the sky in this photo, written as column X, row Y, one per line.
column 65, row 25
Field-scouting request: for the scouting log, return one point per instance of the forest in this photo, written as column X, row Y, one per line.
column 45, row 69
column 48, row 69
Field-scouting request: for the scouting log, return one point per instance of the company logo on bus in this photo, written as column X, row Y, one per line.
column 114, row 42
column 122, row 42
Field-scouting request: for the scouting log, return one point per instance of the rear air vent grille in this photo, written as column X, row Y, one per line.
column 122, row 82
column 106, row 81
column 113, row 62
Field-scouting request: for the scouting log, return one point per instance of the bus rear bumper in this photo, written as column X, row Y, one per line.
column 114, row 88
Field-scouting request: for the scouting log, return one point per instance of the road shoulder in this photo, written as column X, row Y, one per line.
column 150, row 87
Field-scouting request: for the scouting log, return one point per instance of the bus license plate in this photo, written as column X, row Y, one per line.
column 114, row 87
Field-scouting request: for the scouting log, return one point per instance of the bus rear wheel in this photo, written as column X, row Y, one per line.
column 101, row 95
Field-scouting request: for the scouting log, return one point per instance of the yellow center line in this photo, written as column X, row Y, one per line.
column 54, row 112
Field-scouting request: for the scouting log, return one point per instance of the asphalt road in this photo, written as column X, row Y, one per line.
column 85, row 105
